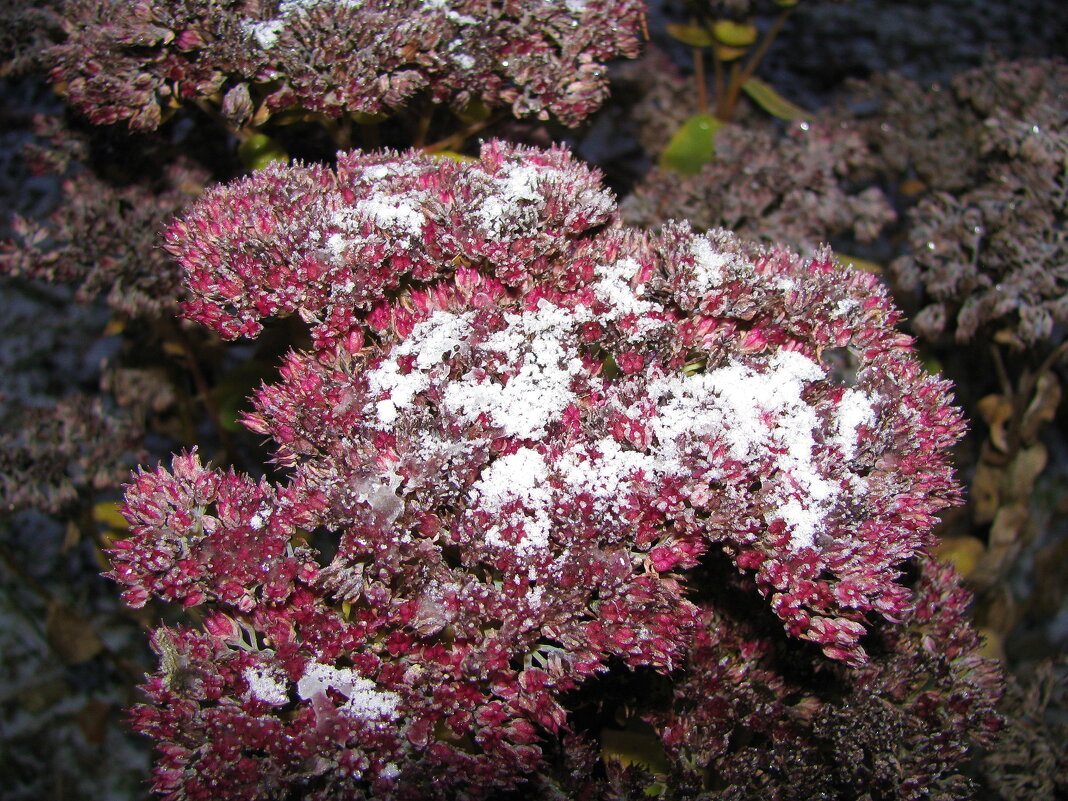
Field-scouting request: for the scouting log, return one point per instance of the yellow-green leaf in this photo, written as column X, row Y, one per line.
column 734, row 34
column 107, row 513
column 452, row 155
column 634, row 748
column 692, row 146
column 693, row 35
column 259, row 150
column 845, row 260
column 475, row 111
column 367, row 118
column 772, row 102
column 727, row 53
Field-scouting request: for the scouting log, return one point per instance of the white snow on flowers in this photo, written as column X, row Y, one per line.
column 524, row 376
column 267, row 31
column 514, row 200
column 268, row 684
column 365, row 701
column 429, row 343
column 758, row 414
column 541, row 389
column 854, row 411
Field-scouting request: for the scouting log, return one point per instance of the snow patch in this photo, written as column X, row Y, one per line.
column 365, row 701
column 854, row 410
column 429, row 342
column 268, row 684
column 758, row 415
column 710, row 266
column 519, row 476
column 540, row 391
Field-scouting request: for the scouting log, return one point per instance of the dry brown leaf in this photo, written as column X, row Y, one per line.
column 71, row 636
column 996, row 411
column 1051, row 578
column 1024, row 470
column 1006, row 533
column 43, row 696
column 71, row 537
column 1008, row 525
column 1043, row 407
column 985, row 491
column 1000, row 612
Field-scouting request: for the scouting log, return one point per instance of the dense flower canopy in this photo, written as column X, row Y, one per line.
column 133, row 61
column 526, row 430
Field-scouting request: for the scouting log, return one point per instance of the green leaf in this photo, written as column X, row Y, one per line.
column 475, row 111
column 845, row 260
column 727, row 53
column 452, row 155
column 634, row 748
column 693, row 35
column 365, row 118
column 259, row 150
column 772, row 102
column 692, row 146
column 734, row 34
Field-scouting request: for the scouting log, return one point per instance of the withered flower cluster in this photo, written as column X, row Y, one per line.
column 48, row 455
column 987, row 246
column 103, row 234
column 800, row 188
column 135, row 61
column 532, row 433
column 27, row 27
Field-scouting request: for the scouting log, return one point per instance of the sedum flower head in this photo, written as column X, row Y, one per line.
column 525, row 429
column 985, row 246
column 131, row 61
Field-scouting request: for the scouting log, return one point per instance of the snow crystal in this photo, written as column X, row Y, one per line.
column 709, row 266
column 514, row 203
column 605, row 476
column 451, row 14
column 614, row 288
column 267, row 32
column 376, row 172
column 854, row 411
column 396, row 212
column 364, row 700
column 267, row 684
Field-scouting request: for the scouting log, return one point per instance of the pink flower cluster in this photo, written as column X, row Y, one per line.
column 528, row 429
column 134, row 61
